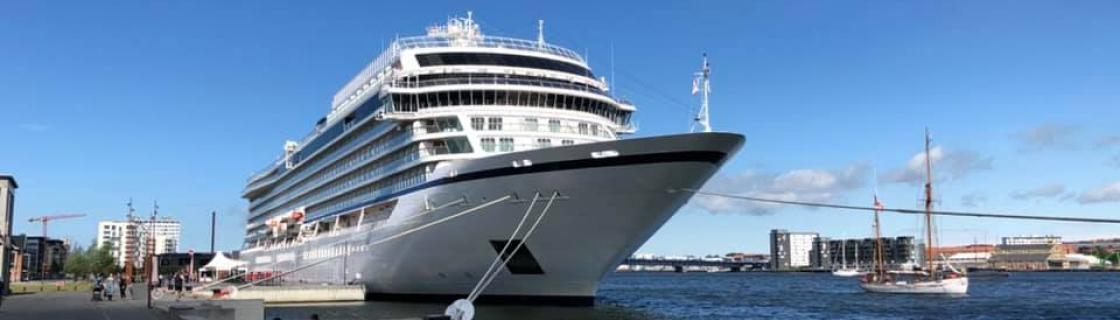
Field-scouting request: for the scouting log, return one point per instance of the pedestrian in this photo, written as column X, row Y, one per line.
column 131, row 294
column 178, row 286
column 124, row 287
column 110, row 287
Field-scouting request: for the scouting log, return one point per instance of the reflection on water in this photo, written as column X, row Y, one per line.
column 764, row 295
column 400, row 310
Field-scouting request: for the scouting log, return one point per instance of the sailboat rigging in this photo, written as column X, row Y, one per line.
column 933, row 280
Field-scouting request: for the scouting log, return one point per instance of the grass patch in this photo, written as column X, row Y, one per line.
column 50, row 286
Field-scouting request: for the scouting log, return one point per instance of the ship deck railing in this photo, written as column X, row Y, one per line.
column 499, row 80
column 385, row 59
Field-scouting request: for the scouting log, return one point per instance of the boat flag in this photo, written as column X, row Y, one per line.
column 695, row 86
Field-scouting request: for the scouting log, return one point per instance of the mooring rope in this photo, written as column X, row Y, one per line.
column 489, row 277
column 498, row 258
column 383, row 240
column 357, row 231
column 906, row 211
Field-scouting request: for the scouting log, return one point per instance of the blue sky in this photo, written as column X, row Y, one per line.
column 179, row 101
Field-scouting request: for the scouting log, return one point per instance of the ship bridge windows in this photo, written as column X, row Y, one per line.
column 412, row 103
column 496, row 59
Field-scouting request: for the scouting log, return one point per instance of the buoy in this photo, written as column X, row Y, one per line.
column 461, row 309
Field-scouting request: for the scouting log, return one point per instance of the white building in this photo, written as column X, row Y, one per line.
column 1031, row 240
column 790, row 250
column 128, row 238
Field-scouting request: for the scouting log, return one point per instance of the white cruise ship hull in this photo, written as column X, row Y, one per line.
column 613, row 197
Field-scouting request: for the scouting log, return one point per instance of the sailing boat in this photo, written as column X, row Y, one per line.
column 933, row 280
column 844, row 270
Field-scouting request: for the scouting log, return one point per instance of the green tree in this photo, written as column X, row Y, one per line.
column 101, row 261
column 77, row 264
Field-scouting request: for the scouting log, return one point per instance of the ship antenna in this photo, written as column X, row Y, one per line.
column 540, row 34
column 612, row 70
column 701, row 84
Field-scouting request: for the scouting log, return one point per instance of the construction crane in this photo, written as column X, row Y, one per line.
column 47, row 220
column 46, row 256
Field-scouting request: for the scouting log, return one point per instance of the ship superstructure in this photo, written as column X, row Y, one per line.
column 456, row 114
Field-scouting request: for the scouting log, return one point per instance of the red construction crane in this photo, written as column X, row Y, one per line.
column 47, row 220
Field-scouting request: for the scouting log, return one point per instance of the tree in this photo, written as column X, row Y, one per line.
column 77, row 264
column 102, row 262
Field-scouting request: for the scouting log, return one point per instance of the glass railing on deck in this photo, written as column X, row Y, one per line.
column 487, row 42
column 496, row 80
column 554, row 128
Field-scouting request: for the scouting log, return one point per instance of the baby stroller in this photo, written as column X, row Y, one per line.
column 97, row 288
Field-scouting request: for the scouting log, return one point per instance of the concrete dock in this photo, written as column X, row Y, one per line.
column 303, row 293
column 74, row 306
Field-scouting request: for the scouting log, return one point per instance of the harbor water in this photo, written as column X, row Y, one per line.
column 1057, row 295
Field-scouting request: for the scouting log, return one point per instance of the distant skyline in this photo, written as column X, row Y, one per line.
column 178, row 102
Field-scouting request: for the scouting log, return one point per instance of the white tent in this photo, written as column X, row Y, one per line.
column 221, row 263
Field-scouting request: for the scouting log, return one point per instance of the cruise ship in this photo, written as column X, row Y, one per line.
column 439, row 125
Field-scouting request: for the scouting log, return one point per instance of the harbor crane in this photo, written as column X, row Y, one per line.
column 46, row 220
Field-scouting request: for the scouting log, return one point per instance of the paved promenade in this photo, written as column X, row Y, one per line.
column 75, row 306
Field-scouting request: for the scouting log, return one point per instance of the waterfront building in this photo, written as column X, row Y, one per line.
column 1028, row 240
column 973, row 256
column 1079, row 261
column 174, row 262
column 1030, row 257
column 821, row 256
column 1096, row 246
column 8, row 253
column 790, row 250
column 898, row 252
column 39, row 252
column 129, row 238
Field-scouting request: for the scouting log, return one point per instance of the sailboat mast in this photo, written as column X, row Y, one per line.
column 929, row 207
column 879, row 268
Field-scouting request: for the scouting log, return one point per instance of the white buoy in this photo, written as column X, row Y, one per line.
column 461, row 309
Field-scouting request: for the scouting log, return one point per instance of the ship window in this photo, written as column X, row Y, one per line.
column 488, row 98
column 505, row 144
column 567, row 142
column 494, row 59
column 488, row 144
column 582, row 128
column 554, row 125
column 544, row 143
column 477, row 123
column 531, row 124
column 595, row 130
column 494, row 124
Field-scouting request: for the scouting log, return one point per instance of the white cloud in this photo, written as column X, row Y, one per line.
column 1047, row 191
column 1108, row 193
column 947, row 165
column 973, row 200
column 1110, row 141
column 813, row 185
column 1048, row 137
column 34, row 127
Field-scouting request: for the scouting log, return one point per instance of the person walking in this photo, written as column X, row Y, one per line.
column 124, row 287
column 178, row 280
column 110, row 288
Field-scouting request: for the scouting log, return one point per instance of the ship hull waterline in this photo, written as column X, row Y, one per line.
column 613, row 196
